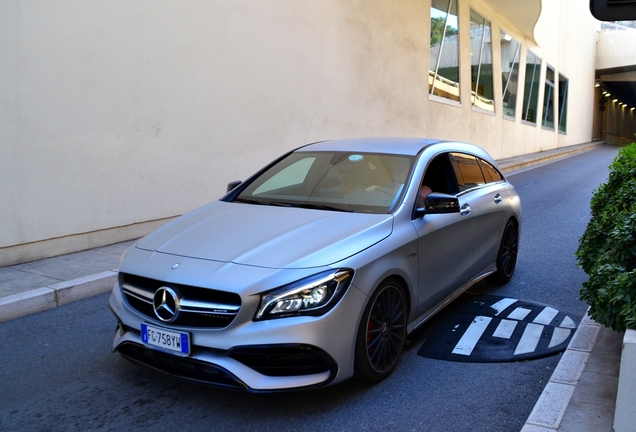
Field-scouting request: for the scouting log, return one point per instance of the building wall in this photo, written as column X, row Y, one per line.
column 116, row 116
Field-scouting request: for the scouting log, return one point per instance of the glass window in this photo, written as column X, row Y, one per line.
column 292, row 175
column 510, row 51
column 563, row 103
column 332, row 181
column 548, row 99
column 443, row 76
column 440, row 176
column 531, row 88
column 490, row 172
column 467, row 171
column 481, row 63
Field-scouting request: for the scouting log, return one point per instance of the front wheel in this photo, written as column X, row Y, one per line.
column 381, row 335
column 507, row 256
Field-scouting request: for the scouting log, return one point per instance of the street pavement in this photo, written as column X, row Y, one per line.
column 580, row 396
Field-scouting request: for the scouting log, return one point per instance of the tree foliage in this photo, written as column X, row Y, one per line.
column 607, row 249
column 437, row 30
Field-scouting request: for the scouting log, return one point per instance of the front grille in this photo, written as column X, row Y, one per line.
column 284, row 360
column 199, row 307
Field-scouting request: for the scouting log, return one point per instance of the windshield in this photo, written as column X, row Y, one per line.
column 342, row 181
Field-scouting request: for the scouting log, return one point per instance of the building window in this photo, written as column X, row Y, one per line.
column 481, row 63
column 510, row 51
column 563, row 103
column 443, row 79
column 531, row 88
column 548, row 99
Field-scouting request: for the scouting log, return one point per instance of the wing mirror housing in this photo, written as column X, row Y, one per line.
column 232, row 185
column 438, row 203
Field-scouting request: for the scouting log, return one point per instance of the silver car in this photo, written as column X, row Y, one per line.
column 316, row 268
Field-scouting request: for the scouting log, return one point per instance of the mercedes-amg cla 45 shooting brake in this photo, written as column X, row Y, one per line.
column 315, row 269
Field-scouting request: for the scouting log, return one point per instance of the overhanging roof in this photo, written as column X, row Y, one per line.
column 522, row 14
column 616, row 64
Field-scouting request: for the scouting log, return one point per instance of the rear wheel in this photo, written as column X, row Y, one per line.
column 381, row 334
column 507, row 256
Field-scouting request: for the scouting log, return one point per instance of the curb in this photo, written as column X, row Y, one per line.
column 521, row 162
column 549, row 410
column 45, row 298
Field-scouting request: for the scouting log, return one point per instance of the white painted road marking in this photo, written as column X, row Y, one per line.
column 472, row 335
column 546, row 316
column 508, row 327
column 568, row 323
column 529, row 339
column 559, row 336
column 505, row 329
column 519, row 314
column 502, row 305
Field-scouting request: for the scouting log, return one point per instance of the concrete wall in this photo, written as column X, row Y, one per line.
column 116, row 116
column 625, row 415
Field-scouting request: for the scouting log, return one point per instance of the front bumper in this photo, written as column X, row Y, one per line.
column 265, row 356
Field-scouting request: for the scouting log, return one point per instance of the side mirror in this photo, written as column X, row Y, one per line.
column 438, row 203
column 233, row 184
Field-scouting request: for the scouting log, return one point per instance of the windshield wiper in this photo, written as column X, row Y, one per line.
column 267, row 203
column 286, row 204
column 325, row 207
column 250, row 201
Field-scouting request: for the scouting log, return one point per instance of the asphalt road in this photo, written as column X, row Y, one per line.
column 57, row 372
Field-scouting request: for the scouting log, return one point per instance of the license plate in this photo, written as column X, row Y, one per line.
column 166, row 339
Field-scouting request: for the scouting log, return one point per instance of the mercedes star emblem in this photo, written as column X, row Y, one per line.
column 166, row 304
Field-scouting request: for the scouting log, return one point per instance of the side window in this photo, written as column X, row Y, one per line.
column 490, row 172
column 440, row 176
column 468, row 172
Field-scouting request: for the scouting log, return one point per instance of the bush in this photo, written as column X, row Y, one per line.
column 607, row 249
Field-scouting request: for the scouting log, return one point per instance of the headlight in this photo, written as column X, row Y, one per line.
column 314, row 295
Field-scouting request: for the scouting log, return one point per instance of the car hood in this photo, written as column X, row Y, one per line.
column 268, row 236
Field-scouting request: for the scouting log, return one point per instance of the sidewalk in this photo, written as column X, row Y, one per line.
column 579, row 397
column 41, row 285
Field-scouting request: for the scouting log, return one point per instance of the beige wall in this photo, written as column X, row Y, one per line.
column 114, row 114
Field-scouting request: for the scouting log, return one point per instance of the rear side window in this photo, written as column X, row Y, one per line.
column 490, row 173
column 468, row 171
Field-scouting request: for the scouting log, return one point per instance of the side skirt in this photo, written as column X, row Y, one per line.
column 441, row 305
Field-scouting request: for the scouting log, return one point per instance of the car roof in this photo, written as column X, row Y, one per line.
column 405, row 146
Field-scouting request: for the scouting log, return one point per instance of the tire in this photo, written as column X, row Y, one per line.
column 381, row 335
column 507, row 255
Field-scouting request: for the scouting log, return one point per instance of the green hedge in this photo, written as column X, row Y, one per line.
column 607, row 249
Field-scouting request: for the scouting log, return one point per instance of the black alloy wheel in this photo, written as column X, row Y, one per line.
column 507, row 256
column 381, row 334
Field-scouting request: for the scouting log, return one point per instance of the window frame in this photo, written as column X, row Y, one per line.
column 548, row 98
column 435, row 77
column 563, row 104
column 531, row 94
column 484, row 47
column 510, row 83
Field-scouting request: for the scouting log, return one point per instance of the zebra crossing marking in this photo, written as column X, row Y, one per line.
column 493, row 328
column 529, row 339
column 470, row 338
column 519, row 314
column 505, row 329
column 546, row 316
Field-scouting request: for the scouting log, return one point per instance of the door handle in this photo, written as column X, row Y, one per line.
column 465, row 210
column 498, row 199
